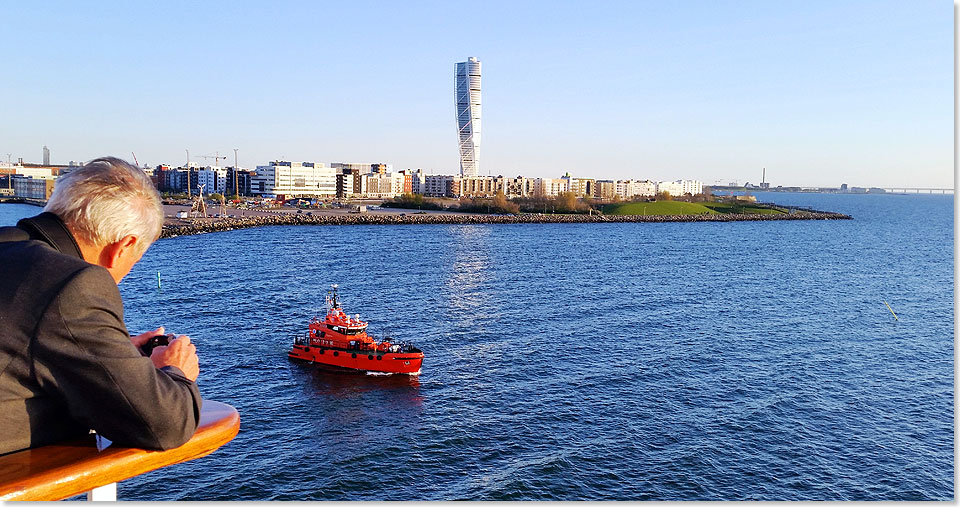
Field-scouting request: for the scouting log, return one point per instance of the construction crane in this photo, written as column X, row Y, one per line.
column 216, row 158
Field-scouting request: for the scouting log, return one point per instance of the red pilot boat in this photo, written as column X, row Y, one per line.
column 340, row 342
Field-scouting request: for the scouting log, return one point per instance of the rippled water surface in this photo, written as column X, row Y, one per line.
column 707, row 361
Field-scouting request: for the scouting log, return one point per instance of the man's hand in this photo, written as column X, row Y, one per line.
column 140, row 339
column 180, row 353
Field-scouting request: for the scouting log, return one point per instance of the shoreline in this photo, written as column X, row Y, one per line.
column 174, row 227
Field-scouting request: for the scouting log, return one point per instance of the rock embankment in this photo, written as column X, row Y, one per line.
column 181, row 227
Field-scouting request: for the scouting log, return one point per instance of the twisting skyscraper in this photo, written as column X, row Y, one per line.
column 468, row 115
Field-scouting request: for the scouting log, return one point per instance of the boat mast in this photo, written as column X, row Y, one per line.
column 333, row 299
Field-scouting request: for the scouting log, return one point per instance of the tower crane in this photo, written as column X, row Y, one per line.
column 216, row 158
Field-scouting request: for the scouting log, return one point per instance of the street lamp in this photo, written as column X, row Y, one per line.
column 236, row 177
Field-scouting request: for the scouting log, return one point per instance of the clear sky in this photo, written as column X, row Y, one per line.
column 818, row 92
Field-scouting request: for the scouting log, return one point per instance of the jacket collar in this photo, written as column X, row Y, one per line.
column 48, row 227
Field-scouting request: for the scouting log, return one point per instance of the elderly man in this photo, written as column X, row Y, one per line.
column 67, row 362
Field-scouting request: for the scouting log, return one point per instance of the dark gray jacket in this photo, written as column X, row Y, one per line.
column 66, row 361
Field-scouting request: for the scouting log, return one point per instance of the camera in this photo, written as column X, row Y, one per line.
column 156, row 341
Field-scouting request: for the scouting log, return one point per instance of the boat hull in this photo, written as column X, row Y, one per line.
column 404, row 363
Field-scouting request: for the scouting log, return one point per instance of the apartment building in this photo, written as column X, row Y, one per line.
column 550, row 187
column 628, row 189
column 294, row 179
column 680, row 187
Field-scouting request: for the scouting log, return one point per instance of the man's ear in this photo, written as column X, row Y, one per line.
column 112, row 252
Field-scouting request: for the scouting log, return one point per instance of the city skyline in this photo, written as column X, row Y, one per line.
column 819, row 94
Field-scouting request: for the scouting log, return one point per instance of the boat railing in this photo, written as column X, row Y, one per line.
column 86, row 465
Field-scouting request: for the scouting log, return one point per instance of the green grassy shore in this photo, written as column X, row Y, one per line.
column 690, row 208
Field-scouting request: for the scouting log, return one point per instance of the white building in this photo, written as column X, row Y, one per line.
column 384, row 186
column 627, row 189
column 467, row 99
column 417, row 181
column 214, row 180
column 681, row 187
column 40, row 173
column 294, row 179
column 582, row 187
column 550, row 187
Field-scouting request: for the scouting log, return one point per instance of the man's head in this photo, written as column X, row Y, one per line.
column 113, row 211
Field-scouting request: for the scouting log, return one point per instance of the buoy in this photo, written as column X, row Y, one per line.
column 891, row 311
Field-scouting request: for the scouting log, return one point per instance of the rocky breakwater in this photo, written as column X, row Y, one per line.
column 181, row 227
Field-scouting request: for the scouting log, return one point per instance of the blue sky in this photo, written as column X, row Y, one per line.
column 819, row 93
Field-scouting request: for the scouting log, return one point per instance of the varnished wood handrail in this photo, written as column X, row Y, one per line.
column 59, row 471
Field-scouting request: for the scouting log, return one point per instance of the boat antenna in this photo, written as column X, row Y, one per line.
column 333, row 299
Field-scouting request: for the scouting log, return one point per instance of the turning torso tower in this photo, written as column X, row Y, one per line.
column 468, row 115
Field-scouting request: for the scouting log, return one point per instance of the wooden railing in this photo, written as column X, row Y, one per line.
column 59, row 471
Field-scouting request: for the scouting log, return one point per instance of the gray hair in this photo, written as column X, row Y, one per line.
column 107, row 199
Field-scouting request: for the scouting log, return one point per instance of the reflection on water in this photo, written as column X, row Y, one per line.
column 469, row 271
column 403, row 388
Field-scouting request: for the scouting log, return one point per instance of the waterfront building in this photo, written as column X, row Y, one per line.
column 212, row 179
column 384, row 186
column 605, row 190
column 351, row 184
column 164, row 177
column 467, row 99
column 170, row 179
column 550, row 187
column 29, row 187
column 680, row 187
column 645, row 188
column 436, row 185
column 417, row 182
column 349, row 180
column 241, row 179
column 40, row 173
column 283, row 179
column 46, row 155
column 351, row 167
column 581, row 187
column 517, row 187
column 628, row 189
column 362, row 167
column 407, row 181
column 479, row 186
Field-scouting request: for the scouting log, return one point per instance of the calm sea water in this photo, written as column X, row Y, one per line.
column 681, row 361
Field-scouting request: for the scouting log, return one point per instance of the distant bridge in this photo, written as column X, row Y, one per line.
column 909, row 190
